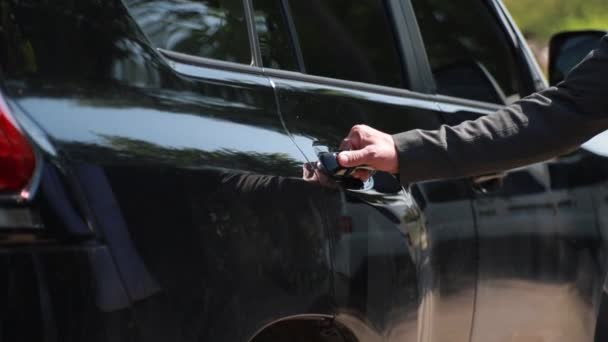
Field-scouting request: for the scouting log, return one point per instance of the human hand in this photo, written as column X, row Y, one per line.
column 370, row 147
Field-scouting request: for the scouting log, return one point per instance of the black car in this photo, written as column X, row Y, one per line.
column 151, row 161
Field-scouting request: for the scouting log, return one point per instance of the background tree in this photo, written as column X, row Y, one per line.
column 540, row 19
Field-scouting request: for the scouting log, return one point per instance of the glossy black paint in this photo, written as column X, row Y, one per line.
column 543, row 244
column 187, row 181
column 377, row 286
column 173, row 207
column 63, row 293
column 540, row 249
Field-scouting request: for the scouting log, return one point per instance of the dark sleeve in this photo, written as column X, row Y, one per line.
column 536, row 128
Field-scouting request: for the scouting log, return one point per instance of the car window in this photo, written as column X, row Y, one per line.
column 343, row 39
column 205, row 28
column 468, row 51
column 278, row 51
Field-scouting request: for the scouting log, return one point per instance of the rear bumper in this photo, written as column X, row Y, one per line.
column 62, row 293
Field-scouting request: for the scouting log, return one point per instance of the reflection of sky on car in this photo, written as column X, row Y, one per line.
column 598, row 144
column 156, row 127
column 155, row 16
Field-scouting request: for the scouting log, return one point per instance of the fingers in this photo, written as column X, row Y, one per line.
column 366, row 146
column 354, row 140
column 354, row 158
column 346, row 145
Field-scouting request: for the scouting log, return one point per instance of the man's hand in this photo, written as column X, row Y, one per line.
column 367, row 146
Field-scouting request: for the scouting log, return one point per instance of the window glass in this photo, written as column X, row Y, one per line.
column 344, row 39
column 469, row 53
column 273, row 33
column 206, row 28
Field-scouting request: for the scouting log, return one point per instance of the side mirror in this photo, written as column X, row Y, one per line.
column 567, row 49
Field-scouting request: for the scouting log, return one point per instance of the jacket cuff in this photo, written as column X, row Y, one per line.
column 407, row 145
column 422, row 156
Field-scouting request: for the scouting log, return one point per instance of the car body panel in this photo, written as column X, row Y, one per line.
column 189, row 180
column 63, row 293
column 374, row 274
column 172, row 205
column 540, row 250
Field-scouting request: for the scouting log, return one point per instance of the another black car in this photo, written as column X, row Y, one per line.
column 151, row 157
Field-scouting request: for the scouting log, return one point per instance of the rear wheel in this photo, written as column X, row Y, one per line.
column 305, row 330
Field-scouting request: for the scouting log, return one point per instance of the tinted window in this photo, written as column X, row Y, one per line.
column 344, row 39
column 275, row 44
column 206, row 28
column 469, row 53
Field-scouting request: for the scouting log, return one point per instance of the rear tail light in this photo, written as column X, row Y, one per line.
column 17, row 159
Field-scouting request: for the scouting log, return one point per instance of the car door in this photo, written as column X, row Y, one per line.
column 587, row 168
column 540, row 274
column 403, row 267
column 165, row 148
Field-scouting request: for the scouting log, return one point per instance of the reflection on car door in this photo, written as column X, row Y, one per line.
column 396, row 277
column 537, row 229
column 539, row 249
column 389, row 257
column 182, row 168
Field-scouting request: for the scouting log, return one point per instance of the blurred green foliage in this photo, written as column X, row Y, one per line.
column 539, row 19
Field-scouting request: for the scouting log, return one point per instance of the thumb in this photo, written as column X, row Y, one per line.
column 353, row 158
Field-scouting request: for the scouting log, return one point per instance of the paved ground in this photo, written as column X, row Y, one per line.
column 508, row 311
column 512, row 311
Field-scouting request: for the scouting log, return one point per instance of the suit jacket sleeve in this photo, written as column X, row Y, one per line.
column 536, row 128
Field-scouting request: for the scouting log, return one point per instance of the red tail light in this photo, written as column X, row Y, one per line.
column 17, row 159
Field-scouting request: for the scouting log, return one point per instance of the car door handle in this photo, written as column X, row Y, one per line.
column 489, row 183
column 337, row 175
column 329, row 162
